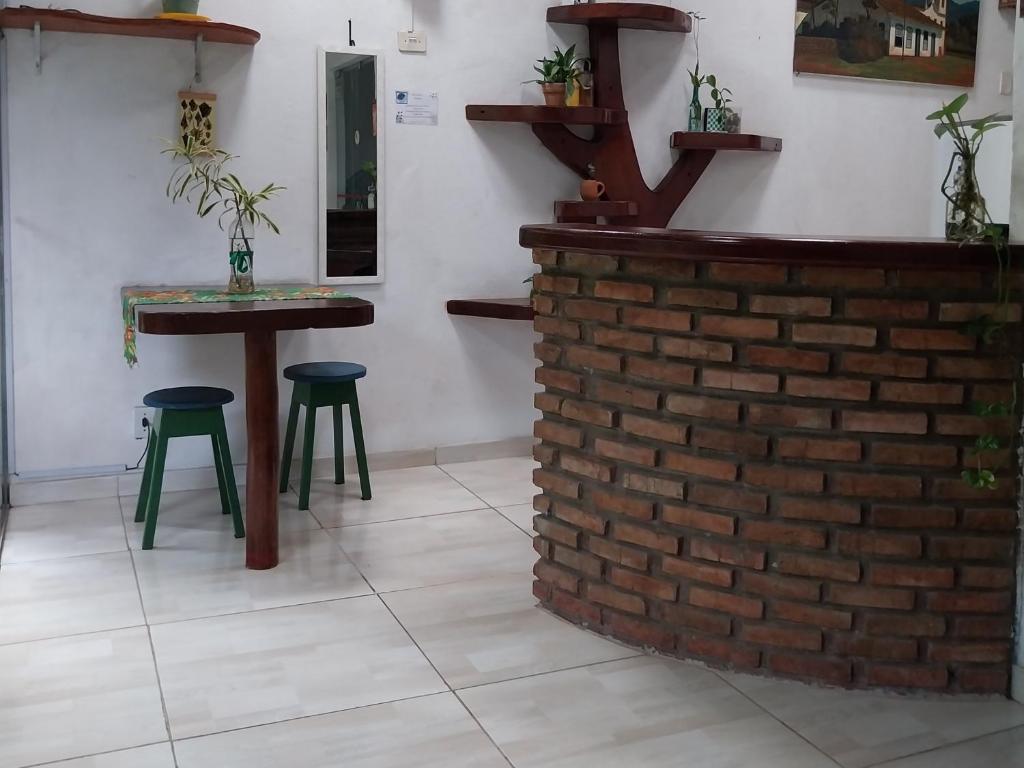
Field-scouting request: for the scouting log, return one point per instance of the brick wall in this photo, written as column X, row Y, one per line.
column 759, row 467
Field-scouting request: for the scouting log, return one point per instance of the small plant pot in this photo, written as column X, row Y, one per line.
column 716, row 120
column 554, row 94
column 181, row 6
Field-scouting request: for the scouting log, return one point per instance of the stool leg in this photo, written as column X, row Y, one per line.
column 229, row 488
column 308, row 436
column 289, row 443
column 339, row 446
column 147, row 476
column 155, row 486
column 225, row 505
column 357, row 438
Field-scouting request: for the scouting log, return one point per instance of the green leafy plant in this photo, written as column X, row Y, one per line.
column 564, row 67
column 718, row 94
column 370, row 169
column 697, row 80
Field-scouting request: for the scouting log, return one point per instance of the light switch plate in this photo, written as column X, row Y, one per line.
column 412, row 41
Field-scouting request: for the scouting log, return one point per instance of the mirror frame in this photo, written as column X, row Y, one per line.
column 382, row 117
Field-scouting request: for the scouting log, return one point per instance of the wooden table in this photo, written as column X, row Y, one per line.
column 259, row 321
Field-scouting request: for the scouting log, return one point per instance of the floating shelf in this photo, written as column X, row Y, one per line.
column 741, row 142
column 659, row 18
column 74, row 21
column 495, row 309
column 577, row 210
column 536, row 114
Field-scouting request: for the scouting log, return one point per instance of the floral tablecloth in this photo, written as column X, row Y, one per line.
column 132, row 297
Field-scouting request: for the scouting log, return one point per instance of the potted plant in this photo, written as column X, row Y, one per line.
column 189, row 7
column 201, row 178
column 558, row 76
column 696, row 117
column 719, row 118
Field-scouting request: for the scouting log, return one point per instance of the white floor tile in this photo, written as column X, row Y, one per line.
column 862, row 728
column 69, row 596
column 487, row 630
column 641, row 713
column 204, row 574
column 499, row 482
column 154, row 756
column 521, row 515
column 429, row 732
column 437, row 550
column 66, row 529
column 1001, row 750
column 263, row 667
column 398, row 494
column 77, row 696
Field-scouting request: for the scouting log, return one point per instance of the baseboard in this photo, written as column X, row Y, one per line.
column 1017, row 684
column 53, row 489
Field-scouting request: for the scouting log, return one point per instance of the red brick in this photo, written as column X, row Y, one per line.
column 695, row 465
column 662, row 269
column 785, row 478
column 625, row 394
column 645, row 537
column 638, row 292
column 542, row 503
column 871, row 597
column 724, row 602
column 773, row 585
column 592, row 310
column 616, row 553
column 623, row 505
column 741, row 443
column 557, row 577
column 960, row 548
column 878, row 486
column 545, row 455
column 954, row 488
column 657, row 370
column 796, row 359
column 579, row 465
column 886, row 309
column 695, row 349
column 740, row 381
column 548, row 403
column 563, row 486
column 984, row 680
column 888, row 364
column 645, row 585
column 914, row 455
column 828, row 389
column 703, row 407
column 830, row 671
column 785, row 534
column 691, row 571
column 986, row 578
column 550, row 284
column 658, row 319
column 702, row 521
column 915, row 625
column 875, row 544
column 820, row 510
column 907, row 392
column 885, row 423
column 723, row 652
column 590, row 262
column 581, row 518
column 891, row 676
column 562, row 434
column 970, row 368
column 724, row 272
column 790, row 417
column 665, row 431
column 971, row 426
column 990, row 520
column 634, row 342
column 739, row 327
column 884, row 516
column 589, row 413
column 875, row 648
column 982, row 627
column 818, row 567
column 551, row 326
column 642, row 633
column 656, row 486
column 545, row 257
column 912, row 576
column 826, row 618
column 959, row 651
column 797, row 638
column 729, row 498
column 965, row 312
column 694, row 618
column 563, row 380
column 931, row 339
column 628, row 452
column 800, row 306
column 830, row 277
column 613, row 598
column 834, row 335
column 969, row 602
column 593, row 359
column 542, row 591
column 547, row 353
column 729, row 554
column 819, row 450
column 701, row 297
column 544, row 305
column 919, row 278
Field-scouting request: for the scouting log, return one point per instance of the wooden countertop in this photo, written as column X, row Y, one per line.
column 698, row 245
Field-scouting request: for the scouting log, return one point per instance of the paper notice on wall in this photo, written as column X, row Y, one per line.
column 416, row 108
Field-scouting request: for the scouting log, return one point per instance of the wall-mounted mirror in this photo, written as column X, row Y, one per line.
column 351, row 224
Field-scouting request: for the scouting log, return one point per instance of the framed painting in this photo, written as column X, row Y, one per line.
column 918, row 41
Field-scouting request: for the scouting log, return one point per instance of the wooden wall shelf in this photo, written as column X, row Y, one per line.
column 84, row 23
column 740, row 142
column 495, row 309
column 659, row 18
column 535, row 115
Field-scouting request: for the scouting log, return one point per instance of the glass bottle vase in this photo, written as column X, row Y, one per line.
column 966, row 211
column 696, row 117
column 240, row 256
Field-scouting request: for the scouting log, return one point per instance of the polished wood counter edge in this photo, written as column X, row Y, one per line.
column 800, row 250
column 246, row 316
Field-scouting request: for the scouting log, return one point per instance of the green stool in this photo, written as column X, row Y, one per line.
column 319, row 385
column 187, row 412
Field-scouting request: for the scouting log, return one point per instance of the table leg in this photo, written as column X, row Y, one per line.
column 261, row 473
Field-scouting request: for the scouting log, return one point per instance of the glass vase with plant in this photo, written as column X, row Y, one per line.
column 719, row 118
column 200, row 177
column 558, row 76
column 695, row 120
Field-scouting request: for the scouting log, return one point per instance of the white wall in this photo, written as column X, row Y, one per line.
column 88, row 212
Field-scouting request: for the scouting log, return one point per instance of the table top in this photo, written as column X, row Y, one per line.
column 243, row 316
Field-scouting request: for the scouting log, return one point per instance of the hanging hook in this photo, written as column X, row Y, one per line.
column 37, row 40
column 351, row 41
column 198, row 76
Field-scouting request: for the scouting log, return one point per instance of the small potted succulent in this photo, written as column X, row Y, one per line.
column 558, row 76
column 720, row 118
column 188, row 7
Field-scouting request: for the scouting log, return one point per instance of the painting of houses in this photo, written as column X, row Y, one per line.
column 921, row 41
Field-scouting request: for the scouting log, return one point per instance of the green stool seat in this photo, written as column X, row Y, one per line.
column 187, row 412
column 322, row 385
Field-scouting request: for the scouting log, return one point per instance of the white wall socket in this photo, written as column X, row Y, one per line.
column 143, row 413
column 412, row 42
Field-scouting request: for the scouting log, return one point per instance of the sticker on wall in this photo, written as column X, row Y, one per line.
column 416, row 108
column 197, row 118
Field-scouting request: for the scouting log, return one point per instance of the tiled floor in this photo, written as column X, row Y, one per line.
column 399, row 633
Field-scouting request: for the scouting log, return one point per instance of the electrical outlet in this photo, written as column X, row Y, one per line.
column 143, row 416
column 411, row 41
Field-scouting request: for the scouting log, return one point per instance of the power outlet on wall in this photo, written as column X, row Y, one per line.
column 143, row 416
column 412, row 41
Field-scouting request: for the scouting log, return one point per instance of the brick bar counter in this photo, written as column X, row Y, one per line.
column 752, row 450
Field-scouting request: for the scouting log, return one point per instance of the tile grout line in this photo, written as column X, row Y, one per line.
column 489, row 505
column 65, row 760
column 930, row 750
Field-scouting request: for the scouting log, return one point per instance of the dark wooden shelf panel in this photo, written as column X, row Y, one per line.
column 495, row 309
column 85, row 23
column 582, row 209
column 742, row 142
column 659, row 18
column 534, row 114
